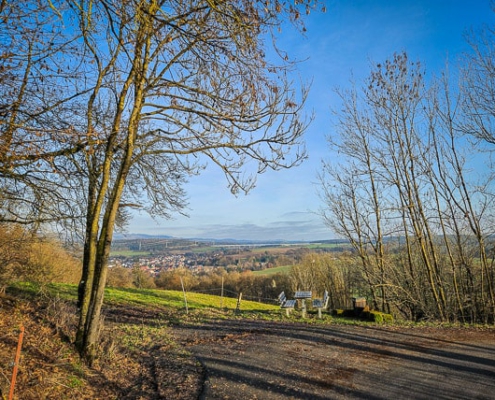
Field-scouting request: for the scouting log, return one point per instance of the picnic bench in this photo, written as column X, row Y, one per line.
column 286, row 303
column 321, row 304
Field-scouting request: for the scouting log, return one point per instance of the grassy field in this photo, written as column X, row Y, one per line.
column 175, row 299
column 154, row 298
column 284, row 269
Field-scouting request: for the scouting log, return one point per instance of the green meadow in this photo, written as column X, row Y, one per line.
column 152, row 298
column 284, row 269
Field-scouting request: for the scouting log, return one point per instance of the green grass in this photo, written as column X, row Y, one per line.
column 285, row 269
column 149, row 297
column 200, row 306
column 175, row 299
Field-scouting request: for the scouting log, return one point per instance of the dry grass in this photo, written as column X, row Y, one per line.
column 50, row 367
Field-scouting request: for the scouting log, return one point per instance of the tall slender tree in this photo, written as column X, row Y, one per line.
column 405, row 176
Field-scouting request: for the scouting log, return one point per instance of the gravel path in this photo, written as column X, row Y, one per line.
column 270, row 360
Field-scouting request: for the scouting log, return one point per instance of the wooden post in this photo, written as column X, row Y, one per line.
column 221, row 295
column 238, row 307
column 184, row 291
column 16, row 363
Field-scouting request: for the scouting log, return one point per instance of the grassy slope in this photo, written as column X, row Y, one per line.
column 155, row 298
column 136, row 331
column 135, row 327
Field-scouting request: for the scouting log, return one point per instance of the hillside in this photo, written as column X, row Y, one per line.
column 137, row 349
column 152, row 349
column 51, row 369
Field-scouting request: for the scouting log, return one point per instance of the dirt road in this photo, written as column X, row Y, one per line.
column 270, row 360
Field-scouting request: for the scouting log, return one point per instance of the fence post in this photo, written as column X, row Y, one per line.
column 221, row 295
column 184, row 291
column 238, row 307
column 16, row 363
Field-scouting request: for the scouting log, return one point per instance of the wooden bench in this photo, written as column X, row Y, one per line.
column 285, row 303
column 321, row 304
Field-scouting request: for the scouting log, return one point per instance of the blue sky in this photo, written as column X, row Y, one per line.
column 338, row 44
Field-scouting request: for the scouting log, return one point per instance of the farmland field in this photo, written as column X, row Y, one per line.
column 284, row 269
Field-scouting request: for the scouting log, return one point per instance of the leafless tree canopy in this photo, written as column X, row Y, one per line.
column 403, row 194
column 110, row 104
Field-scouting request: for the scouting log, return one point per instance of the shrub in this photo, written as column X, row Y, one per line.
column 387, row 318
column 366, row 315
column 378, row 317
column 25, row 256
column 120, row 277
column 375, row 316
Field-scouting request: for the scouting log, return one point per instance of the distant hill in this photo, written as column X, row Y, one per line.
column 134, row 236
column 119, row 237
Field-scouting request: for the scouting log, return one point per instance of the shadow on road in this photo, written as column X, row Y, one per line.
column 270, row 360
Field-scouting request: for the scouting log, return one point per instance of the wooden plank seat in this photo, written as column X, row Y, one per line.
column 286, row 303
column 321, row 304
column 289, row 304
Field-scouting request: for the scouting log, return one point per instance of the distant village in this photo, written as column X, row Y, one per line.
column 154, row 264
column 158, row 255
column 167, row 255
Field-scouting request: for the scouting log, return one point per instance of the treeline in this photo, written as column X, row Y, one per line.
column 315, row 271
column 414, row 164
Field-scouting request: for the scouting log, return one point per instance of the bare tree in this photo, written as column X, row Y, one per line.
column 38, row 92
column 478, row 91
column 478, row 121
column 166, row 89
column 403, row 177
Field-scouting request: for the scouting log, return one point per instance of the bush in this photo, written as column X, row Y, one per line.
column 387, row 318
column 349, row 313
column 378, row 317
column 120, row 277
column 375, row 316
column 25, row 256
column 49, row 262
